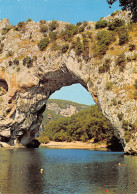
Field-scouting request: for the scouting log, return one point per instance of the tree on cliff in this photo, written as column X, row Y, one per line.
column 127, row 5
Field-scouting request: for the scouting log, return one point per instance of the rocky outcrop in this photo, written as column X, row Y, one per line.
column 66, row 112
column 29, row 74
column 64, row 108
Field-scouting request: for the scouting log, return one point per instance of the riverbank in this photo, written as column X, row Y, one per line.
column 75, row 145
column 64, row 145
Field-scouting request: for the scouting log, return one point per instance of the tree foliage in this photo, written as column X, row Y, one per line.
column 127, row 5
column 83, row 126
column 101, row 24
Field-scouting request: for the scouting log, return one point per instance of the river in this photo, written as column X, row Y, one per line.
column 66, row 171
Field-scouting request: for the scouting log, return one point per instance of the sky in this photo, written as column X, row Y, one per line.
column 72, row 11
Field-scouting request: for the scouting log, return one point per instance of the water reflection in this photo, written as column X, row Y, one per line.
column 20, row 171
column 66, row 171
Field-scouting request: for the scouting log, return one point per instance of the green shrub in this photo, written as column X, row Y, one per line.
column 101, row 69
column 2, row 45
column 29, row 20
column 9, row 54
column 16, row 62
column 1, row 50
column 69, row 32
column 53, row 25
column 134, row 56
column 132, row 47
column 89, row 35
column 45, row 34
column 85, row 48
column 135, row 95
column 42, row 22
column 129, row 58
column 115, row 12
column 81, row 29
column 115, row 24
column 104, row 68
column 85, row 23
column 28, row 61
column 123, row 38
column 102, row 49
column 129, row 129
column 134, row 126
column 120, row 116
column 121, row 61
column 109, row 86
column 79, row 24
column 65, row 48
column 35, row 58
column 84, row 137
column 128, row 135
column 79, row 48
column 53, row 36
column 107, row 61
column 55, row 47
column 5, row 30
column 119, row 102
column 105, row 38
column 135, row 84
column 43, row 28
column 43, row 139
column 10, row 63
column 114, row 102
column 20, row 26
column 101, row 24
column 125, row 125
column 43, row 44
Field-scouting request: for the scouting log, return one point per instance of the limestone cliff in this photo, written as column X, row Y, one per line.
column 64, row 107
column 56, row 109
column 36, row 59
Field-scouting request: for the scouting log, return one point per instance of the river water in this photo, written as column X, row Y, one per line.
column 66, row 171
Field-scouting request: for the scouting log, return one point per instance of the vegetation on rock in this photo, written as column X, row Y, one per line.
column 53, row 25
column 101, row 24
column 116, row 23
column 105, row 38
column 109, row 86
column 43, row 44
column 43, row 28
column 121, row 62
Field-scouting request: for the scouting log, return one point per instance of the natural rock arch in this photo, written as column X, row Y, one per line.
column 35, row 75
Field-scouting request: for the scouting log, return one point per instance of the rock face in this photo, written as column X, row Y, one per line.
column 29, row 74
column 66, row 112
column 64, row 108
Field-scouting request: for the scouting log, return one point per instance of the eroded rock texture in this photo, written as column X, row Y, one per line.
column 27, row 83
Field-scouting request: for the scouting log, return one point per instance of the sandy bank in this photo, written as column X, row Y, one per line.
column 75, row 145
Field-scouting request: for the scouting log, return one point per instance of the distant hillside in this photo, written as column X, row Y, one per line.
column 61, row 108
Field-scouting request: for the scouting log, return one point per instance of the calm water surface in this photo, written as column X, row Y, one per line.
column 66, row 171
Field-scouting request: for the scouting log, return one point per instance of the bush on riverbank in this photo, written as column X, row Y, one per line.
column 83, row 126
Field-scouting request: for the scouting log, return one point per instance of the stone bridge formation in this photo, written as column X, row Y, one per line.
column 29, row 74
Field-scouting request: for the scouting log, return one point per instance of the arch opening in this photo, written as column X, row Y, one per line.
column 75, row 93
column 58, row 111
